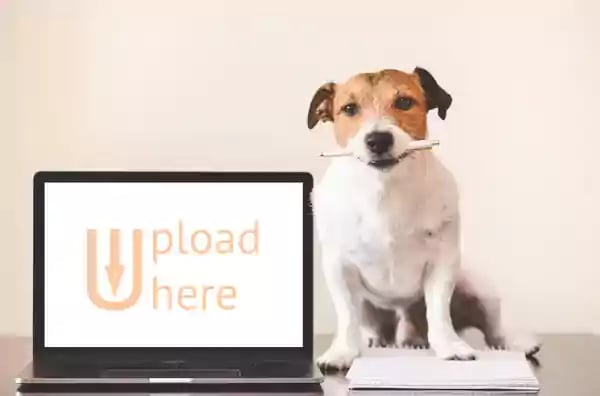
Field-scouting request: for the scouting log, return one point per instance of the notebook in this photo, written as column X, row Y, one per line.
column 507, row 372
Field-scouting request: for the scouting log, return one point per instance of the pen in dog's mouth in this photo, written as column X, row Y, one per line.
column 412, row 146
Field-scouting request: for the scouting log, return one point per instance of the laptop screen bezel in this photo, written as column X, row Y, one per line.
column 42, row 352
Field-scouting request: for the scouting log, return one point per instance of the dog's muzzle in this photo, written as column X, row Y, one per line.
column 379, row 145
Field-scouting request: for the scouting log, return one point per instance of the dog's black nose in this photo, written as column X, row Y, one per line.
column 379, row 142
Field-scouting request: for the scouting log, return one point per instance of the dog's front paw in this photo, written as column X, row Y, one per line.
column 453, row 350
column 337, row 358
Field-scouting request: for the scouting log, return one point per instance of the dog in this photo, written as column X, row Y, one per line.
column 389, row 226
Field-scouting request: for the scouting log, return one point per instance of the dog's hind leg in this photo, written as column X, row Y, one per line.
column 378, row 325
column 476, row 306
column 407, row 335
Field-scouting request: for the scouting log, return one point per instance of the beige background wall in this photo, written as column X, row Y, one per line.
column 141, row 84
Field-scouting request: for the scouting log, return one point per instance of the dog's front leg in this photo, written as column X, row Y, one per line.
column 346, row 343
column 440, row 280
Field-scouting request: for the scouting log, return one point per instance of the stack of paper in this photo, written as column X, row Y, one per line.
column 421, row 370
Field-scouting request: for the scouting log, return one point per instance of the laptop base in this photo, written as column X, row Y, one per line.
column 308, row 389
column 251, row 373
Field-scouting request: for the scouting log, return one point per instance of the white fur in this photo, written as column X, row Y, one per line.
column 389, row 236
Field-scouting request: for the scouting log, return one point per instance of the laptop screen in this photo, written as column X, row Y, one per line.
column 170, row 264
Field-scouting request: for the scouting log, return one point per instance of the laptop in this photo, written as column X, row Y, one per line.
column 163, row 278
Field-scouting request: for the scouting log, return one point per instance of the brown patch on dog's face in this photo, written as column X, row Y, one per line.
column 404, row 98
column 376, row 96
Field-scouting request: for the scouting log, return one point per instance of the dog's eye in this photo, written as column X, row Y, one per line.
column 350, row 109
column 404, row 103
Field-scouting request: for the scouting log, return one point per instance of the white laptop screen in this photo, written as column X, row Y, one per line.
column 173, row 264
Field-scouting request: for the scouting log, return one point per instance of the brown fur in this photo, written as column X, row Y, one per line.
column 374, row 95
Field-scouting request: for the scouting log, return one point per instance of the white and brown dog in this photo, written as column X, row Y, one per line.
column 389, row 228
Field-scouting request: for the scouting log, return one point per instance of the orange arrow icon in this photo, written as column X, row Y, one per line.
column 114, row 269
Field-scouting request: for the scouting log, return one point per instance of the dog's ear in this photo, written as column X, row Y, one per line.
column 321, row 105
column 435, row 95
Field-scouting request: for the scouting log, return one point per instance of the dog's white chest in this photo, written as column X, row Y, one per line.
column 388, row 246
column 388, row 232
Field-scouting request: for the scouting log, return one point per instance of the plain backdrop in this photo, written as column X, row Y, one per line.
column 141, row 84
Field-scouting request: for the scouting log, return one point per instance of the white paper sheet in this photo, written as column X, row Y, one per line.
column 420, row 370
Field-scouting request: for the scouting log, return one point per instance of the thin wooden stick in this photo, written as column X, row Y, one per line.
column 412, row 146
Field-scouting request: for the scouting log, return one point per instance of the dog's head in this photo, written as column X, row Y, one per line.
column 375, row 115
